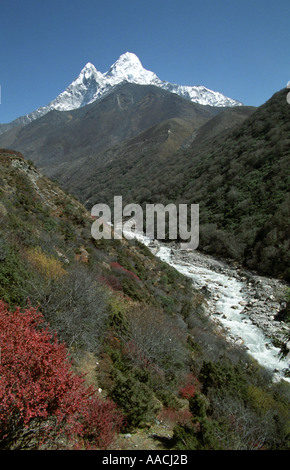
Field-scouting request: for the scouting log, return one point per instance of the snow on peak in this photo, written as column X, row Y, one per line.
column 88, row 70
column 127, row 59
column 91, row 85
column 89, row 67
column 129, row 68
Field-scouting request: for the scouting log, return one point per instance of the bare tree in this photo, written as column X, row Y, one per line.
column 75, row 305
column 155, row 340
column 246, row 429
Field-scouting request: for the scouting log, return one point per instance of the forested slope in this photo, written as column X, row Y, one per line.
column 239, row 177
column 134, row 325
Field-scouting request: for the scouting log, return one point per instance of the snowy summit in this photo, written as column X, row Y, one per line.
column 92, row 85
column 129, row 68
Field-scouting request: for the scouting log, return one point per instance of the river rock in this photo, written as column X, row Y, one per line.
column 257, row 295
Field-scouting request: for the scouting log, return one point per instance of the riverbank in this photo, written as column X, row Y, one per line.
column 243, row 305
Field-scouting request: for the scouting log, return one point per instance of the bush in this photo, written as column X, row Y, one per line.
column 198, row 405
column 155, row 341
column 223, row 375
column 47, row 266
column 203, row 435
column 135, row 399
column 13, row 274
column 187, row 391
column 132, row 289
column 75, row 305
column 41, row 399
column 190, row 387
column 240, row 427
column 171, row 416
column 168, row 399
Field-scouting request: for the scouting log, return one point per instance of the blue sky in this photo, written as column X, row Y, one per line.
column 237, row 47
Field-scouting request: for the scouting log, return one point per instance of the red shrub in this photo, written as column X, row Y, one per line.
column 190, row 387
column 112, row 282
column 120, row 268
column 172, row 417
column 37, row 385
column 187, row 392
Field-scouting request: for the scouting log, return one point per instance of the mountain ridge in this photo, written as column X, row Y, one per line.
column 64, row 136
column 92, row 85
column 238, row 176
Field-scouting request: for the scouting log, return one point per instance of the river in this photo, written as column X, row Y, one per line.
column 243, row 304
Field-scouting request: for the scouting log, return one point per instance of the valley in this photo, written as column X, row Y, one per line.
column 243, row 304
column 198, row 340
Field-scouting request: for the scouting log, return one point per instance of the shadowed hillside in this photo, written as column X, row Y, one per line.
column 59, row 138
column 238, row 176
column 132, row 164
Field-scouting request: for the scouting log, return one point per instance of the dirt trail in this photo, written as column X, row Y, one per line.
column 157, row 437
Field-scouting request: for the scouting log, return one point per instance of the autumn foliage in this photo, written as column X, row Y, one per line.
column 172, row 417
column 41, row 398
column 117, row 267
column 190, row 387
column 47, row 266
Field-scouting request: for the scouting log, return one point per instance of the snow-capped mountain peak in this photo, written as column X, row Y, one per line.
column 129, row 68
column 126, row 62
column 92, row 85
column 82, row 91
column 88, row 70
column 89, row 66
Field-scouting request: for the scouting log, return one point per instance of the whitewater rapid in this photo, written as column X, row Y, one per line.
column 228, row 297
